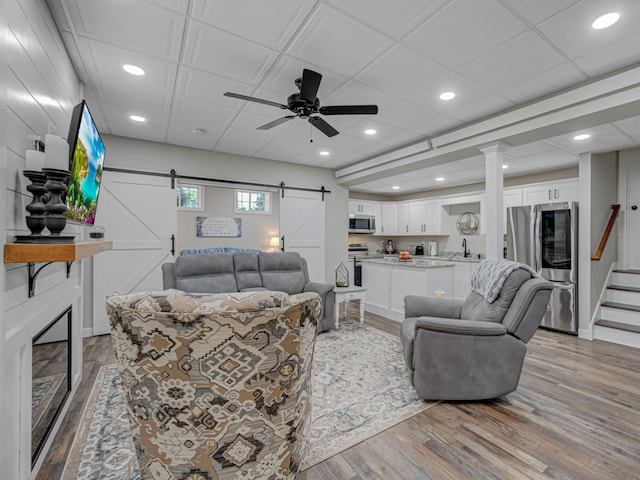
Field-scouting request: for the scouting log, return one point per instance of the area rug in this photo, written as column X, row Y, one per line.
column 360, row 388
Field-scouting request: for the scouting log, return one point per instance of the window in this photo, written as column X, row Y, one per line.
column 190, row 197
column 252, row 201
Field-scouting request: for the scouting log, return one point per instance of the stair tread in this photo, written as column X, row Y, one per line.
column 624, row 288
column 618, row 325
column 634, row 272
column 622, row 306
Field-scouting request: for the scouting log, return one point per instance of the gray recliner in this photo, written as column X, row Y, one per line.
column 473, row 349
column 248, row 271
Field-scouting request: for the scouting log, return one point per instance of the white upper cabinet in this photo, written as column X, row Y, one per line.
column 360, row 207
column 419, row 217
column 561, row 191
column 388, row 224
column 434, row 220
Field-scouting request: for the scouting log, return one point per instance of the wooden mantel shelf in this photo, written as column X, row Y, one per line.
column 53, row 252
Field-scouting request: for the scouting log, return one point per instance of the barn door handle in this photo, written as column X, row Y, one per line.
column 173, row 244
column 282, row 238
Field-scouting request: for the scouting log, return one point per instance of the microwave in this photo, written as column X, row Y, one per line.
column 362, row 224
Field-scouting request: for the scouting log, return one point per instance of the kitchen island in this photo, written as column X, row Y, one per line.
column 388, row 280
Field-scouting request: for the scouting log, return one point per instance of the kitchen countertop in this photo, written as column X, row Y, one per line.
column 423, row 262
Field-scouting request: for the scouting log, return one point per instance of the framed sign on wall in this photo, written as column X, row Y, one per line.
column 218, row 227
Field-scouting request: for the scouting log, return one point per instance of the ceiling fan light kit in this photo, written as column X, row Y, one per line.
column 306, row 105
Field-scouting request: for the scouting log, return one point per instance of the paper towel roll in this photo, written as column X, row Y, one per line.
column 56, row 152
column 35, row 160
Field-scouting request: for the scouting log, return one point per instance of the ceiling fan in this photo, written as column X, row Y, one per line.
column 306, row 104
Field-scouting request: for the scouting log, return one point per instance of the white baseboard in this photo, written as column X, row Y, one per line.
column 585, row 333
column 87, row 332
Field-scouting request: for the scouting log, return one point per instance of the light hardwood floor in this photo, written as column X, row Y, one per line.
column 575, row 415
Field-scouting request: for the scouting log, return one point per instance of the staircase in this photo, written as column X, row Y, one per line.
column 620, row 313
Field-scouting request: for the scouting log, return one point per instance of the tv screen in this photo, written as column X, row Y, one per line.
column 86, row 159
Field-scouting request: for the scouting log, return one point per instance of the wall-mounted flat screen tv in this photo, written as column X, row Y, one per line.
column 86, row 152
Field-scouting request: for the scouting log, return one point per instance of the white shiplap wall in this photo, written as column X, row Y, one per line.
column 39, row 90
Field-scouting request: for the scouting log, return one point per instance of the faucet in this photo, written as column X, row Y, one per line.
column 464, row 245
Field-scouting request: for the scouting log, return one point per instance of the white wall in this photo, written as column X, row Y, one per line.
column 39, row 90
column 150, row 156
column 257, row 228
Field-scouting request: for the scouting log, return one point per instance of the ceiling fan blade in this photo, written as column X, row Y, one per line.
column 254, row 99
column 275, row 123
column 309, row 86
column 323, row 126
column 349, row 110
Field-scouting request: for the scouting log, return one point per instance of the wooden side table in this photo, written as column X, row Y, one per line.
column 342, row 294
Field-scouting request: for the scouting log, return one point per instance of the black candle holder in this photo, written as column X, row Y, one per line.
column 36, row 209
column 55, row 207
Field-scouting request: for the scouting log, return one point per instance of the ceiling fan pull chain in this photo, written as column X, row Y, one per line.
column 310, row 134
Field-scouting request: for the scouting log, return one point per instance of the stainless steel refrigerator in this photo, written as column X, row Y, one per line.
column 545, row 237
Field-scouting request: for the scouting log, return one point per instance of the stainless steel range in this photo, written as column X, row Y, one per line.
column 357, row 250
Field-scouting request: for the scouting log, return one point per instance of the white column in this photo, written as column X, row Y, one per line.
column 494, row 198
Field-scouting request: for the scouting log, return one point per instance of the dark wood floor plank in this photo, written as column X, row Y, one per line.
column 574, row 416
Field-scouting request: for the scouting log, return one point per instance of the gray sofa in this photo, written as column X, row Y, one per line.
column 471, row 349
column 247, row 271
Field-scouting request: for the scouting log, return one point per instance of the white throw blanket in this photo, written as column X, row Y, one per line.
column 489, row 276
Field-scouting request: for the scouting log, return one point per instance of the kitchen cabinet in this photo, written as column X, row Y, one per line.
column 388, row 219
column 388, row 282
column 561, row 191
column 361, row 207
column 419, row 217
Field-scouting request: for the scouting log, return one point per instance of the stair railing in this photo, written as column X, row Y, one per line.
column 615, row 208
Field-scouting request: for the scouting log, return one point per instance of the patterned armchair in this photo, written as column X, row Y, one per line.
column 218, row 386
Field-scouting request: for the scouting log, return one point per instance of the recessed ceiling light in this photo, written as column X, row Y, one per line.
column 504, row 166
column 605, row 21
column 199, row 131
column 447, row 95
column 370, row 131
column 396, row 187
column 133, row 69
column 324, row 153
column 439, row 179
column 137, row 118
column 582, row 136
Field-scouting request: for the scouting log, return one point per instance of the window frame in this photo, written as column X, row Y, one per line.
column 200, row 207
column 268, row 209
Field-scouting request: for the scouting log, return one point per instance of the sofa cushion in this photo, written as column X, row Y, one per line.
column 282, row 272
column 476, row 307
column 247, row 271
column 205, row 273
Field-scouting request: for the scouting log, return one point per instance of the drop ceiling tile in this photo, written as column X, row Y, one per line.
column 630, row 126
column 602, row 137
column 283, row 150
column 242, row 142
column 117, row 116
column 611, row 57
column 465, row 30
column 512, row 62
column 528, row 149
column 393, row 19
column 409, row 116
column 210, row 87
column 337, row 42
column 271, row 23
column 544, row 83
column 416, row 71
column 160, row 33
column 570, row 30
column 190, row 114
column 535, row 11
column 249, row 122
column 240, row 59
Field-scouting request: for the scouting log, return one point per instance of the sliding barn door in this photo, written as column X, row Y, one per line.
column 139, row 216
column 302, row 226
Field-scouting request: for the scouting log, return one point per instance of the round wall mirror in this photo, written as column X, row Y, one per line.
column 467, row 223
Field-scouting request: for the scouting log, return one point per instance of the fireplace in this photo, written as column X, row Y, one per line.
column 50, row 378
